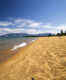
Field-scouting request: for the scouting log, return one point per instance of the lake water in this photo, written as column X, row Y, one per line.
column 9, row 43
column 9, row 46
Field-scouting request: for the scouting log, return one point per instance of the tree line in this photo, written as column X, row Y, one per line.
column 62, row 33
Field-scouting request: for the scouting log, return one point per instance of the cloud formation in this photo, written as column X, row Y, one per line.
column 5, row 23
column 28, row 26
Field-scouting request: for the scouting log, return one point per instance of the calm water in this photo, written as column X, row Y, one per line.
column 7, row 46
column 6, row 43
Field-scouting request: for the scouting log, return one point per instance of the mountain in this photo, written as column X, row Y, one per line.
column 14, row 35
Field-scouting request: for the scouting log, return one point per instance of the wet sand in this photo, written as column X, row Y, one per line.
column 44, row 59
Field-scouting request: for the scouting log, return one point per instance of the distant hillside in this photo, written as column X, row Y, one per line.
column 14, row 35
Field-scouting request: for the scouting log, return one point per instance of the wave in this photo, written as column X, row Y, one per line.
column 33, row 40
column 19, row 46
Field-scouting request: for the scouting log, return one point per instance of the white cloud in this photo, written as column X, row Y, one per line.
column 18, row 30
column 29, row 26
column 9, row 30
column 61, row 27
column 19, row 20
column 35, row 24
column 27, row 23
column 3, row 23
column 23, row 21
column 48, row 25
column 21, row 25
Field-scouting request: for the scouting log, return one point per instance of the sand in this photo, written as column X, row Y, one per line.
column 44, row 59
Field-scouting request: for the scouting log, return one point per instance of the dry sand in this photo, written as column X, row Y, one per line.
column 44, row 59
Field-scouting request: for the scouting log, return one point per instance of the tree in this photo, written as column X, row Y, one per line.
column 65, row 33
column 61, row 32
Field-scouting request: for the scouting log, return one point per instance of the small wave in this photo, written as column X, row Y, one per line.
column 33, row 40
column 19, row 46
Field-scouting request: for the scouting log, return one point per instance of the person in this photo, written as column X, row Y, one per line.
column 33, row 79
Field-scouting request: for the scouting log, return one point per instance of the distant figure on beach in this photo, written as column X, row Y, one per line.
column 33, row 79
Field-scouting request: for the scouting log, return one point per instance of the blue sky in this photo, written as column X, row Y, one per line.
column 32, row 16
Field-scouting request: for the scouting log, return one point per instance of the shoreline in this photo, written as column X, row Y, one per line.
column 43, row 60
column 10, row 53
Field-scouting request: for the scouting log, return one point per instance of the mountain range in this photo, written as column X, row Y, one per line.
column 14, row 35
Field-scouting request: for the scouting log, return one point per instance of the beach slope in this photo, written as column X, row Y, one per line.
column 44, row 59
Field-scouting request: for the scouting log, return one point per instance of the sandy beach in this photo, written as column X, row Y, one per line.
column 44, row 59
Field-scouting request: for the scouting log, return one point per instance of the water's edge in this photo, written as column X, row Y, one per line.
column 21, row 45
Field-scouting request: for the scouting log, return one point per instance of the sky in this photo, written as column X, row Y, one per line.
column 32, row 16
